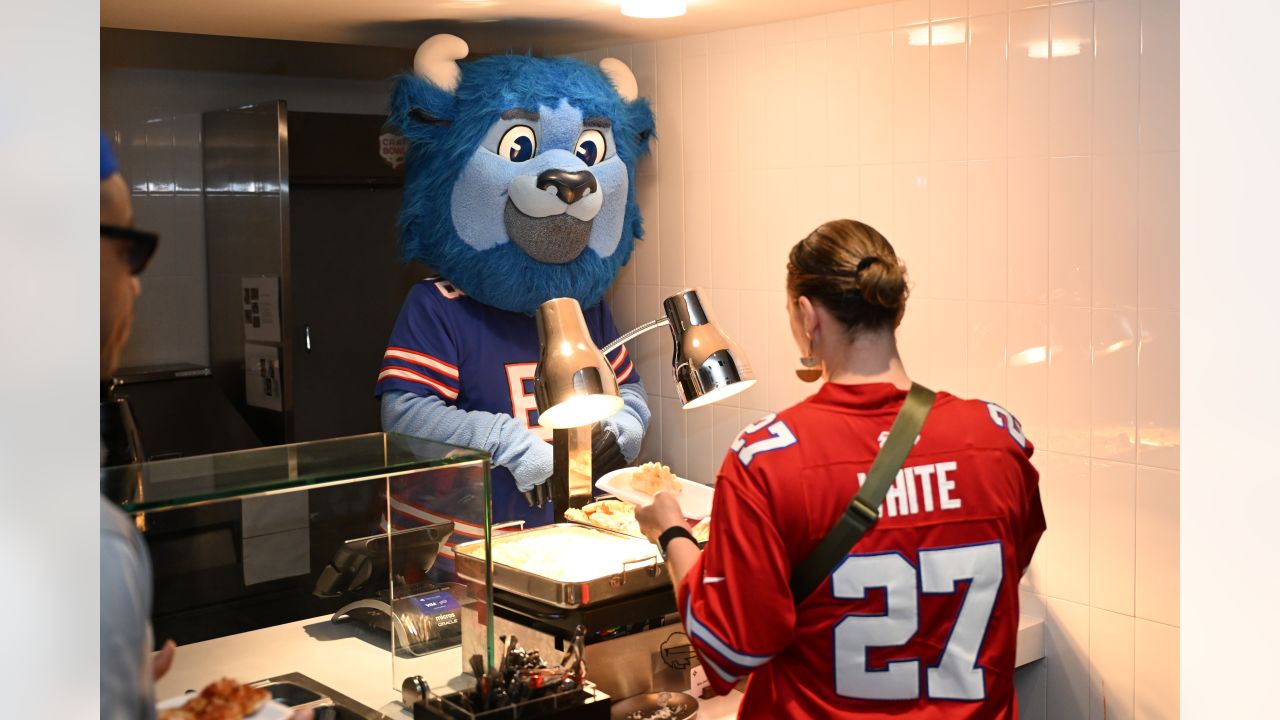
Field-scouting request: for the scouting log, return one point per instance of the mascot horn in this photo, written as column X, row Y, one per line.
column 519, row 187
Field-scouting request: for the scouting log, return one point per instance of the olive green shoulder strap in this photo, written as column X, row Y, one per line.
column 861, row 514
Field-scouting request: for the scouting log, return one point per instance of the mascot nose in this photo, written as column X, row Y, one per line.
column 570, row 186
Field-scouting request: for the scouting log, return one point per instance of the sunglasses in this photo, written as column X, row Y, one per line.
column 142, row 245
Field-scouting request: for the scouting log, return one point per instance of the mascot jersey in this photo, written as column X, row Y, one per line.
column 478, row 358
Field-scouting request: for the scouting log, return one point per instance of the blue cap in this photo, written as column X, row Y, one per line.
column 109, row 165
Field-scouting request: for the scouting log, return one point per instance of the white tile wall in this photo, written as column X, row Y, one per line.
column 1028, row 175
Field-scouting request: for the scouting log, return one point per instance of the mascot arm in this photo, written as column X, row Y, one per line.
column 512, row 446
column 630, row 423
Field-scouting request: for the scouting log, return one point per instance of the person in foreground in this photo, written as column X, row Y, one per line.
column 129, row 669
column 921, row 617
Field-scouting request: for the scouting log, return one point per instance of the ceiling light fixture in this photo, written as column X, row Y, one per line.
column 653, row 9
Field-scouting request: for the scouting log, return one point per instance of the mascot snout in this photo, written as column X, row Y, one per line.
column 548, row 216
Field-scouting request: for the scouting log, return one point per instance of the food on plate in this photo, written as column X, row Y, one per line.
column 702, row 531
column 224, row 699
column 652, row 478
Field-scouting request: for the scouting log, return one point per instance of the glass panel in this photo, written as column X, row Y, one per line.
column 325, row 557
column 434, row 607
column 190, row 481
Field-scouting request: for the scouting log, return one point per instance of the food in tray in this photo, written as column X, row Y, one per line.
column 613, row 515
column 620, row 517
column 652, row 478
column 569, row 554
column 225, row 699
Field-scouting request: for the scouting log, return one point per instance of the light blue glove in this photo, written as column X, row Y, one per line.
column 630, row 423
column 510, row 443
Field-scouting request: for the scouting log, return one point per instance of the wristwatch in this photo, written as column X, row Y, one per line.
column 671, row 533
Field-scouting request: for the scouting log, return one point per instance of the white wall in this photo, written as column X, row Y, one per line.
column 153, row 116
column 1034, row 200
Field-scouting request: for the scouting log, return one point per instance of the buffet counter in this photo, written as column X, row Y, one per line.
column 355, row 661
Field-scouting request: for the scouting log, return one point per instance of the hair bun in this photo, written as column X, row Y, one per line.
column 882, row 282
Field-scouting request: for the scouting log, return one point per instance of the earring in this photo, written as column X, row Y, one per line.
column 811, row 368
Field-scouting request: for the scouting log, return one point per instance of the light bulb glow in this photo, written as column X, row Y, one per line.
column 580, row 410
column 720, row 393
column 653, row 9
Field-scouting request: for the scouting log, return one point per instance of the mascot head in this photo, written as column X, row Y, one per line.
column 520, row 177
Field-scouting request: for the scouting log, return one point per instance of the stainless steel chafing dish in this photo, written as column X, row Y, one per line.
column 631, row 576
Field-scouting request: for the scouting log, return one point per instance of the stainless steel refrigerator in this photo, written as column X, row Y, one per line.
column 304, row 277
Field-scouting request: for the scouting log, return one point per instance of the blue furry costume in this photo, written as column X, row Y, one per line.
column 519, row 187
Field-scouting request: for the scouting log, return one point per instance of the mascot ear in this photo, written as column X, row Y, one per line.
column 621, row 76
column 437, row 61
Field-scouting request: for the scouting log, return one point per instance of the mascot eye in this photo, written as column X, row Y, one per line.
column 518, row 144
column 590, row 149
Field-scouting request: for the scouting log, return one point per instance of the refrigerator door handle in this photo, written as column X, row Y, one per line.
column 306, row 335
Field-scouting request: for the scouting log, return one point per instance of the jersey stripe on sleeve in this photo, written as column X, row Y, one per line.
column 621, row 364
column 423, row 360
column 712, row 648
column 401, row 373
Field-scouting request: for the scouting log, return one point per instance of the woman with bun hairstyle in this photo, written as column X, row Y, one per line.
column 920, row 618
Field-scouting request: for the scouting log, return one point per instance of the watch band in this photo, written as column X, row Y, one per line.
column 671, row 533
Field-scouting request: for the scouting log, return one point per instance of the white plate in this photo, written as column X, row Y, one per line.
column 271, row 711
column 694, row 498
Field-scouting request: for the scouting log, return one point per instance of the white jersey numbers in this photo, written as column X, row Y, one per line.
column 956, row 676
column 780, row 437
column 855, row 633
column 1005, row 419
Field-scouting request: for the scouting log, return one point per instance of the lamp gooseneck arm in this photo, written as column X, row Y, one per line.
column 626, row 337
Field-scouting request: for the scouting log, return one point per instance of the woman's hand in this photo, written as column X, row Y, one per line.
column 662, row 514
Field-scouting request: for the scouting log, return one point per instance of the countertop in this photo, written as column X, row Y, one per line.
column 354, row 661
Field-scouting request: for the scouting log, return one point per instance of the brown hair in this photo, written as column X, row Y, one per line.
column 852, row 270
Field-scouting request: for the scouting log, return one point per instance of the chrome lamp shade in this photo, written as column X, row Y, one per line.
column 707, row 365
column 574, row 384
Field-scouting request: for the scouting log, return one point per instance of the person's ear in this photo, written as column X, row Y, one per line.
column 809, row 319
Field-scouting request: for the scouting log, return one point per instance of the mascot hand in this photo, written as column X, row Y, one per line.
column 534, row 465
column 629, row 424
column 606, row 454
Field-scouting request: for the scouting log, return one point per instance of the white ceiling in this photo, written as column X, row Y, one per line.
column 543, row 26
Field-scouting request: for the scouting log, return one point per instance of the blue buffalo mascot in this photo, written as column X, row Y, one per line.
column 519, row 188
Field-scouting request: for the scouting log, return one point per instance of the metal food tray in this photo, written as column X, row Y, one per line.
column 637, row 576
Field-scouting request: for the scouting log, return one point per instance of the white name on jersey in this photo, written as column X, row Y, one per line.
column 922, row 488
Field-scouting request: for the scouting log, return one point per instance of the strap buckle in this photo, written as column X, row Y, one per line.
column 862, row 516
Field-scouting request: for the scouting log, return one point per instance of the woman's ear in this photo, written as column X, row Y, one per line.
column 809, row 319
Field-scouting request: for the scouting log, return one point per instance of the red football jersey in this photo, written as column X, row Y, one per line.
column 921, row 618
